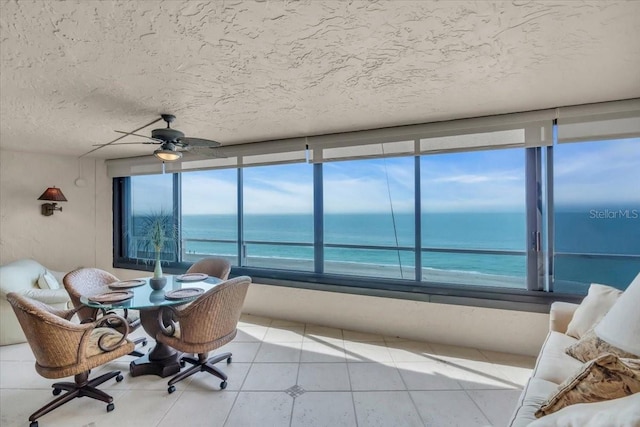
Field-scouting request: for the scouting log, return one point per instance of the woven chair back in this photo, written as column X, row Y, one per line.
column 87, row 282
column 54, row 341
column 214, row 315
column 215, row 267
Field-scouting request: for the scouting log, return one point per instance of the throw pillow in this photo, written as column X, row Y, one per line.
column 605, row 378
column 624, row 411
column 621, row 325
column 47, row 281
column 591, row 346
column 599, row 299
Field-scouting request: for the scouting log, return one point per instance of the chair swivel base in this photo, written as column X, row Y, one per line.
column 80, row 388
column 202, row 363
column 143, row 342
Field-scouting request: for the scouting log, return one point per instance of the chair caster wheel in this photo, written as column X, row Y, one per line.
column 171, row 389
column 33, row 424
column 228, row 360
column 119, row 378
column 111, row 407
column 182, row 363
column 223, row 385
column 56, row 391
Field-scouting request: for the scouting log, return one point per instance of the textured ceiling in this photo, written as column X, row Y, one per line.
column 242, row 71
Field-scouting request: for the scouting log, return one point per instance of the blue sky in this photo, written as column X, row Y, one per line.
column 585, row 173
column 598, row 174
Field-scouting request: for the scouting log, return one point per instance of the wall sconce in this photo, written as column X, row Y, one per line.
column 52, row 194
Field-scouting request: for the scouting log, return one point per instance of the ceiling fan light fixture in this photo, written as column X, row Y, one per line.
column 167, row 155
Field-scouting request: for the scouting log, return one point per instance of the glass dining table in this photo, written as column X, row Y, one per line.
column 161, row 360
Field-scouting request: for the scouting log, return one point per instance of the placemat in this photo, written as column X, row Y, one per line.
column 117, row 296
column 192, row 277
column 125, row 284
column 183, row 293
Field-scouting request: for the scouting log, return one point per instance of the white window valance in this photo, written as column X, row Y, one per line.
column 609, row 120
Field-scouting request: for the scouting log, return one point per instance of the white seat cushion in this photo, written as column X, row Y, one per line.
column 535, row 393
column 554, row 364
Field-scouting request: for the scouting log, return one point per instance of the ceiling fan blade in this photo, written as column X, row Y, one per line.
column 141, row 136
column 199, row 142
column 130, row 143
column 120, row 137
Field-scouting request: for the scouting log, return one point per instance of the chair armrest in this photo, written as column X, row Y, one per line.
column 47, row 296
column 560, row 315
column 109, row 320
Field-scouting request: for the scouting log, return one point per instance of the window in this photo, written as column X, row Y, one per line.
column 210, row 215
column 473, row 218
column 503, row 208
column 278, row 217
column 150, row 195
column 597, row 214
column 369, row 217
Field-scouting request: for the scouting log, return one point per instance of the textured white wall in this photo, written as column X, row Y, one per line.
column 62, row 241
column 81, row 235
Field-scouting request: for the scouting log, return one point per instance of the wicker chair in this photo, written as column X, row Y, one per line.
column 207, row 323
column 215, row 267
column 63, row 348
column 93, row 281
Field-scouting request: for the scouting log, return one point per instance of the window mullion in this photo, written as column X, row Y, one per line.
column 318, row 219
column 177, row 214
column 533, row 186
column 241, row 251
column 418, row 220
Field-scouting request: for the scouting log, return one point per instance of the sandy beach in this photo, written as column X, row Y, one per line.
column 382, row 271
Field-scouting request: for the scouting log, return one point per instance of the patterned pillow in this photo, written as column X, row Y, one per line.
column 591, row 346
column 605, row 378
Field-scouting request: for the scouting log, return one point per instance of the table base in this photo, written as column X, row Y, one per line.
column 162, row 360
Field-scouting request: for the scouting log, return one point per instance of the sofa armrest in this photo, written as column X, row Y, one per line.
column 560, row 315
column 47, row 296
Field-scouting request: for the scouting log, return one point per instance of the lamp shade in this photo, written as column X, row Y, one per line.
column 167, row 155
column 53, row 194
column 621, row 325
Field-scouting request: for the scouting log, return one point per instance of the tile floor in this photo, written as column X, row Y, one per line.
column 292, row 374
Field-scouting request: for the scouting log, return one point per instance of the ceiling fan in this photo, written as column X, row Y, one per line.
column 172, row 141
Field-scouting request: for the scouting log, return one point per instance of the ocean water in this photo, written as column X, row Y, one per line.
column 492, row 231
column 590, row 232
column 583, row 231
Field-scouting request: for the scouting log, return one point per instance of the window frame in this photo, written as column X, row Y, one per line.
column 540, row 134
column 410, row 289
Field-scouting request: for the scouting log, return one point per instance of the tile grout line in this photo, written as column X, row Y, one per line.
column 293, row 405
column 353, row 399
column 406, row 387
column 226, row 419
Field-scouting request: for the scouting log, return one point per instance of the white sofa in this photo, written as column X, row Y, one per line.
column 552, row 367
column 611, row 314
column 22, row 276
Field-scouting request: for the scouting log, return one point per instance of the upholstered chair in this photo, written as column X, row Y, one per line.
column 206, row 324
column 63, row 348
column 93, row 281
column 212, row 266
